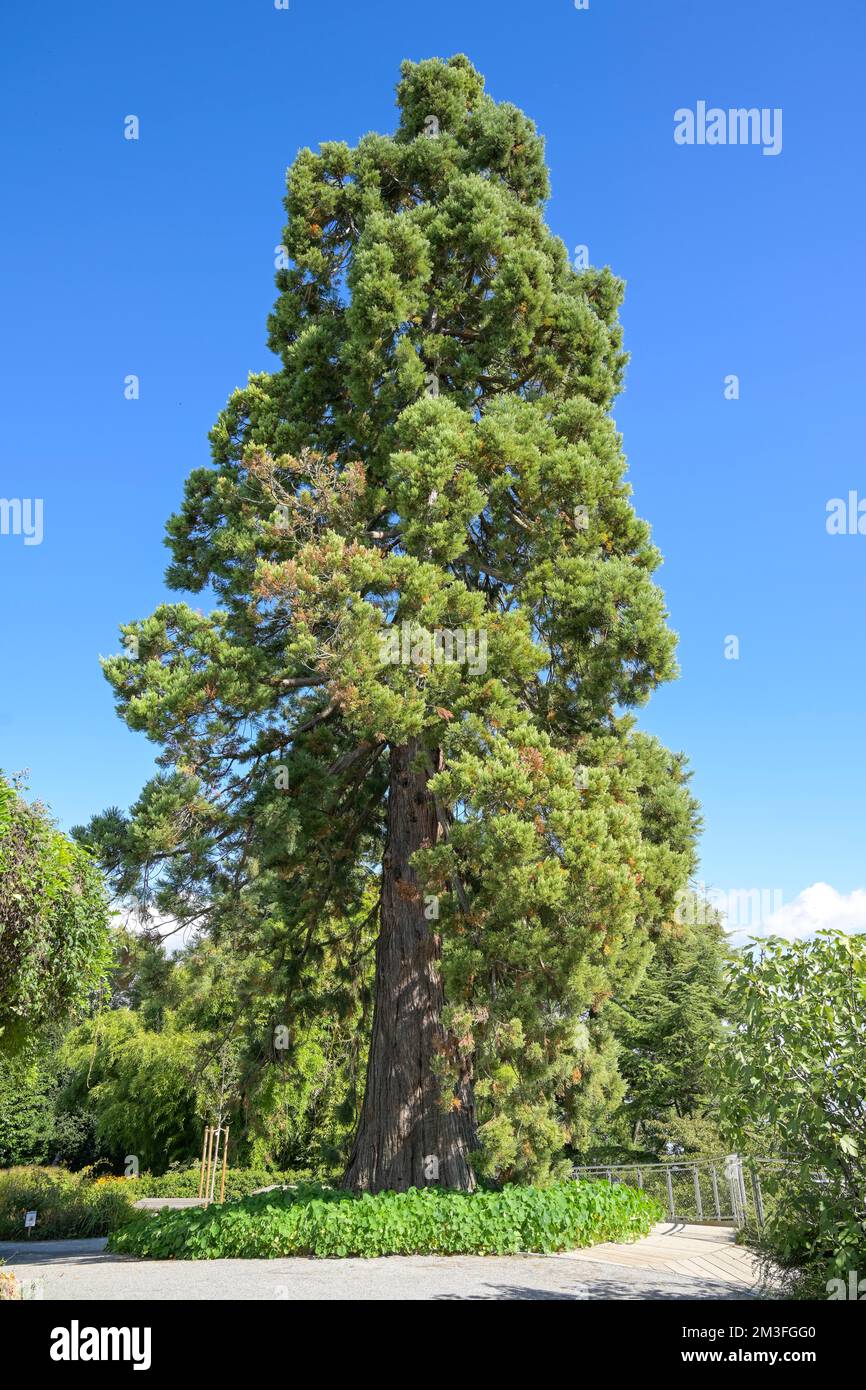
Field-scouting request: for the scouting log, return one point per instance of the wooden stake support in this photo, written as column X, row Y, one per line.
column 203, row 1155
column 210, row 1156
column 215, row 1139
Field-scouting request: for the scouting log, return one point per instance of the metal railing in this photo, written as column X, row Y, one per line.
column 724, row 1191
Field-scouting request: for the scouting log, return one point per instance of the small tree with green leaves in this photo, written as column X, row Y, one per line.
column 793, row 1086
column 54, row 945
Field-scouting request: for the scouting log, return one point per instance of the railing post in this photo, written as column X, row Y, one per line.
column 759, row 1201
column 742, row 1176
column 639, row 1178
column 715, row 1182
column 734, row 1175
column 670, row 1194
column 698, row 1199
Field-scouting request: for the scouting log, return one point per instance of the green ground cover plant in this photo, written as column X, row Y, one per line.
column 309, row 1219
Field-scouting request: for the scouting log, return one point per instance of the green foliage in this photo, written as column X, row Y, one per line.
column 27, row 1096
column 794, row 1077
column 183, row 1040
column 67, row 1204
column 665, row 1030
column 313, row 1220
column 296, row 1057
column 435, row 451
column 140, row 1087
column 184, row 1182
column 36, row 1125
column 53, row 923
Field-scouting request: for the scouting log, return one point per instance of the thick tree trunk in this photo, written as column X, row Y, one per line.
column 405, row 1137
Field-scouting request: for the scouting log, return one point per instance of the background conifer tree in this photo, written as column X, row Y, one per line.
column 435, row 454
column 667, row 1030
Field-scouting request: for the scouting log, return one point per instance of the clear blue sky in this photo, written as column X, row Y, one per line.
column 156, row 258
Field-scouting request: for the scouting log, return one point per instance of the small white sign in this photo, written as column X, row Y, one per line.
column 30, row 1219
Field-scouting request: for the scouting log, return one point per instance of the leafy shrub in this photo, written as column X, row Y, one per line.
column 68, row 1204
column 794, row 1077
column 84, row 1204
column 813, row 1232
column 26, row 1107
column 35, row 1128
column 313, row 1220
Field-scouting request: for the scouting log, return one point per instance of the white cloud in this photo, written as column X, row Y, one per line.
column 169, row 930
column 815, row 908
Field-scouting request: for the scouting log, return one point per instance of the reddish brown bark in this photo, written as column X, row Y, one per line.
column 405, row 1137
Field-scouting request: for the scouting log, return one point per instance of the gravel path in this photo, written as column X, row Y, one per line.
column 81, row 1269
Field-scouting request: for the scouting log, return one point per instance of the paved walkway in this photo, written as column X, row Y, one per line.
column 682, row 1262
column 676, row 1248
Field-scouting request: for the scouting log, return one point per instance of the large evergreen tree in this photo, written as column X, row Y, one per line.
column 432, row 471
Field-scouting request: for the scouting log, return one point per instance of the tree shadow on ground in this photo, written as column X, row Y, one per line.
column 608, row 1290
